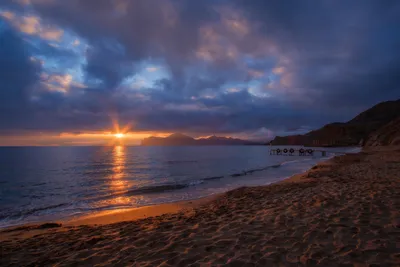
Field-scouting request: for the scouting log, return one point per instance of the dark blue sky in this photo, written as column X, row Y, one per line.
column 244, row 68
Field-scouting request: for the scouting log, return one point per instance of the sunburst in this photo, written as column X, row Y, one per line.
column 119, row 135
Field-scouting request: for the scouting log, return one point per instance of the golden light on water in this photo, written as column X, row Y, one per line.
column 118, row 155
column 117, row 181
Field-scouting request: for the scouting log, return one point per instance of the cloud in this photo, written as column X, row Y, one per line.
column 32, row 25
column 18, row 74
column 60, row 82
column 152, row 69
column 254, row 67
column 338, row 52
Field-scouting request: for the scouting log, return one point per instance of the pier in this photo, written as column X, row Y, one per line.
column 297, row 152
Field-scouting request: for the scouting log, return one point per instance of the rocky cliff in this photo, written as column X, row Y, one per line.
column 353, row 132
column 388, row 135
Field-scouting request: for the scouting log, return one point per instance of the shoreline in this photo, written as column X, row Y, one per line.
column 131, row 213
column 142, row 212
column 134, row 213
column 345, row 210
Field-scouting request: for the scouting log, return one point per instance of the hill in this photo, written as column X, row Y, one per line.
column 388, row 135
column 353, row 132
column 178, row 139
column 175, row 139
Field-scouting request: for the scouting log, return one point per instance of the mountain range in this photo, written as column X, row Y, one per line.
column 378, row 125
column 178, row 139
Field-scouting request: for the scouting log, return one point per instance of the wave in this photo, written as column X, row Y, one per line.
column 180, row 161
column 7, row 215
column 39, row 184
column 213, row 178
column 251, row 171
column 152, row 189
column 155, row 189
column 171, row 187
column 29, row 212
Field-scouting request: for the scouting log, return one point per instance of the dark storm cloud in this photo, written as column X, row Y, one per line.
column 137, row 29
column 21, row 83
column 342, row 53
column 316, row 61
column 107, row 63
column 17, row 75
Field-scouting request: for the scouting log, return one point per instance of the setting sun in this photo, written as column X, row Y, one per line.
column 119, row 135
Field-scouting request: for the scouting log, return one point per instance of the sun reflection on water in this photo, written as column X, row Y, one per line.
column 118, row 155
column 117, row 182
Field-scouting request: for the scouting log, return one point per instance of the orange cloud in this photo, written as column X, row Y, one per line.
column 233, row 90
column 32, row 25
column 256, row 73
column 52, row 34
column 278, row 70
column 152, row 69
column 214, row 46
column 235, row 22
column 59, row 83
column 7, row 15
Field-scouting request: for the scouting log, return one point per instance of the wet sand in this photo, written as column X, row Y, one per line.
column 109, row 217
column 345, row 212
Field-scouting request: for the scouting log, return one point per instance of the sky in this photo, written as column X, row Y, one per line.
column 75, row 72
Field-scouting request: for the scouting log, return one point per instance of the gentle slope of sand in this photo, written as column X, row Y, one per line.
column 342, row 213
column 114, row 216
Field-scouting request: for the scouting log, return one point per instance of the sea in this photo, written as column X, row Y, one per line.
column 53, row 183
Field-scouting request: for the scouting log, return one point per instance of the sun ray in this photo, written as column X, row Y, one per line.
column 119, row 135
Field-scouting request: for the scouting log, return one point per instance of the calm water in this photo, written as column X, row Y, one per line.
column 43, row 183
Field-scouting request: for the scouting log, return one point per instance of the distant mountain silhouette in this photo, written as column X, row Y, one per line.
column 178, row 139
column 353, row 132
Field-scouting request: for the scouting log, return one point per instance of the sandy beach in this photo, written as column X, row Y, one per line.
column 344, row 212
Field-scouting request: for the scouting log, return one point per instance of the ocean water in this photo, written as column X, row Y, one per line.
column 50, row 183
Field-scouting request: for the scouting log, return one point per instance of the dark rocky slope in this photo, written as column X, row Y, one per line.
column 353, row 132
column 388, row 135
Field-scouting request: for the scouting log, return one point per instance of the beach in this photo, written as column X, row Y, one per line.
column 342, row 212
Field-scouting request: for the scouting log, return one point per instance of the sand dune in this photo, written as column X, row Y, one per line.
column 342, row 213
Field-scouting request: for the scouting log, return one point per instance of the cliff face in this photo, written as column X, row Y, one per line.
column 353, row 132
column 388, row 135
column 184, row 140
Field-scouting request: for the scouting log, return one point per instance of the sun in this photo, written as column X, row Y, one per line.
column 119, row 135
